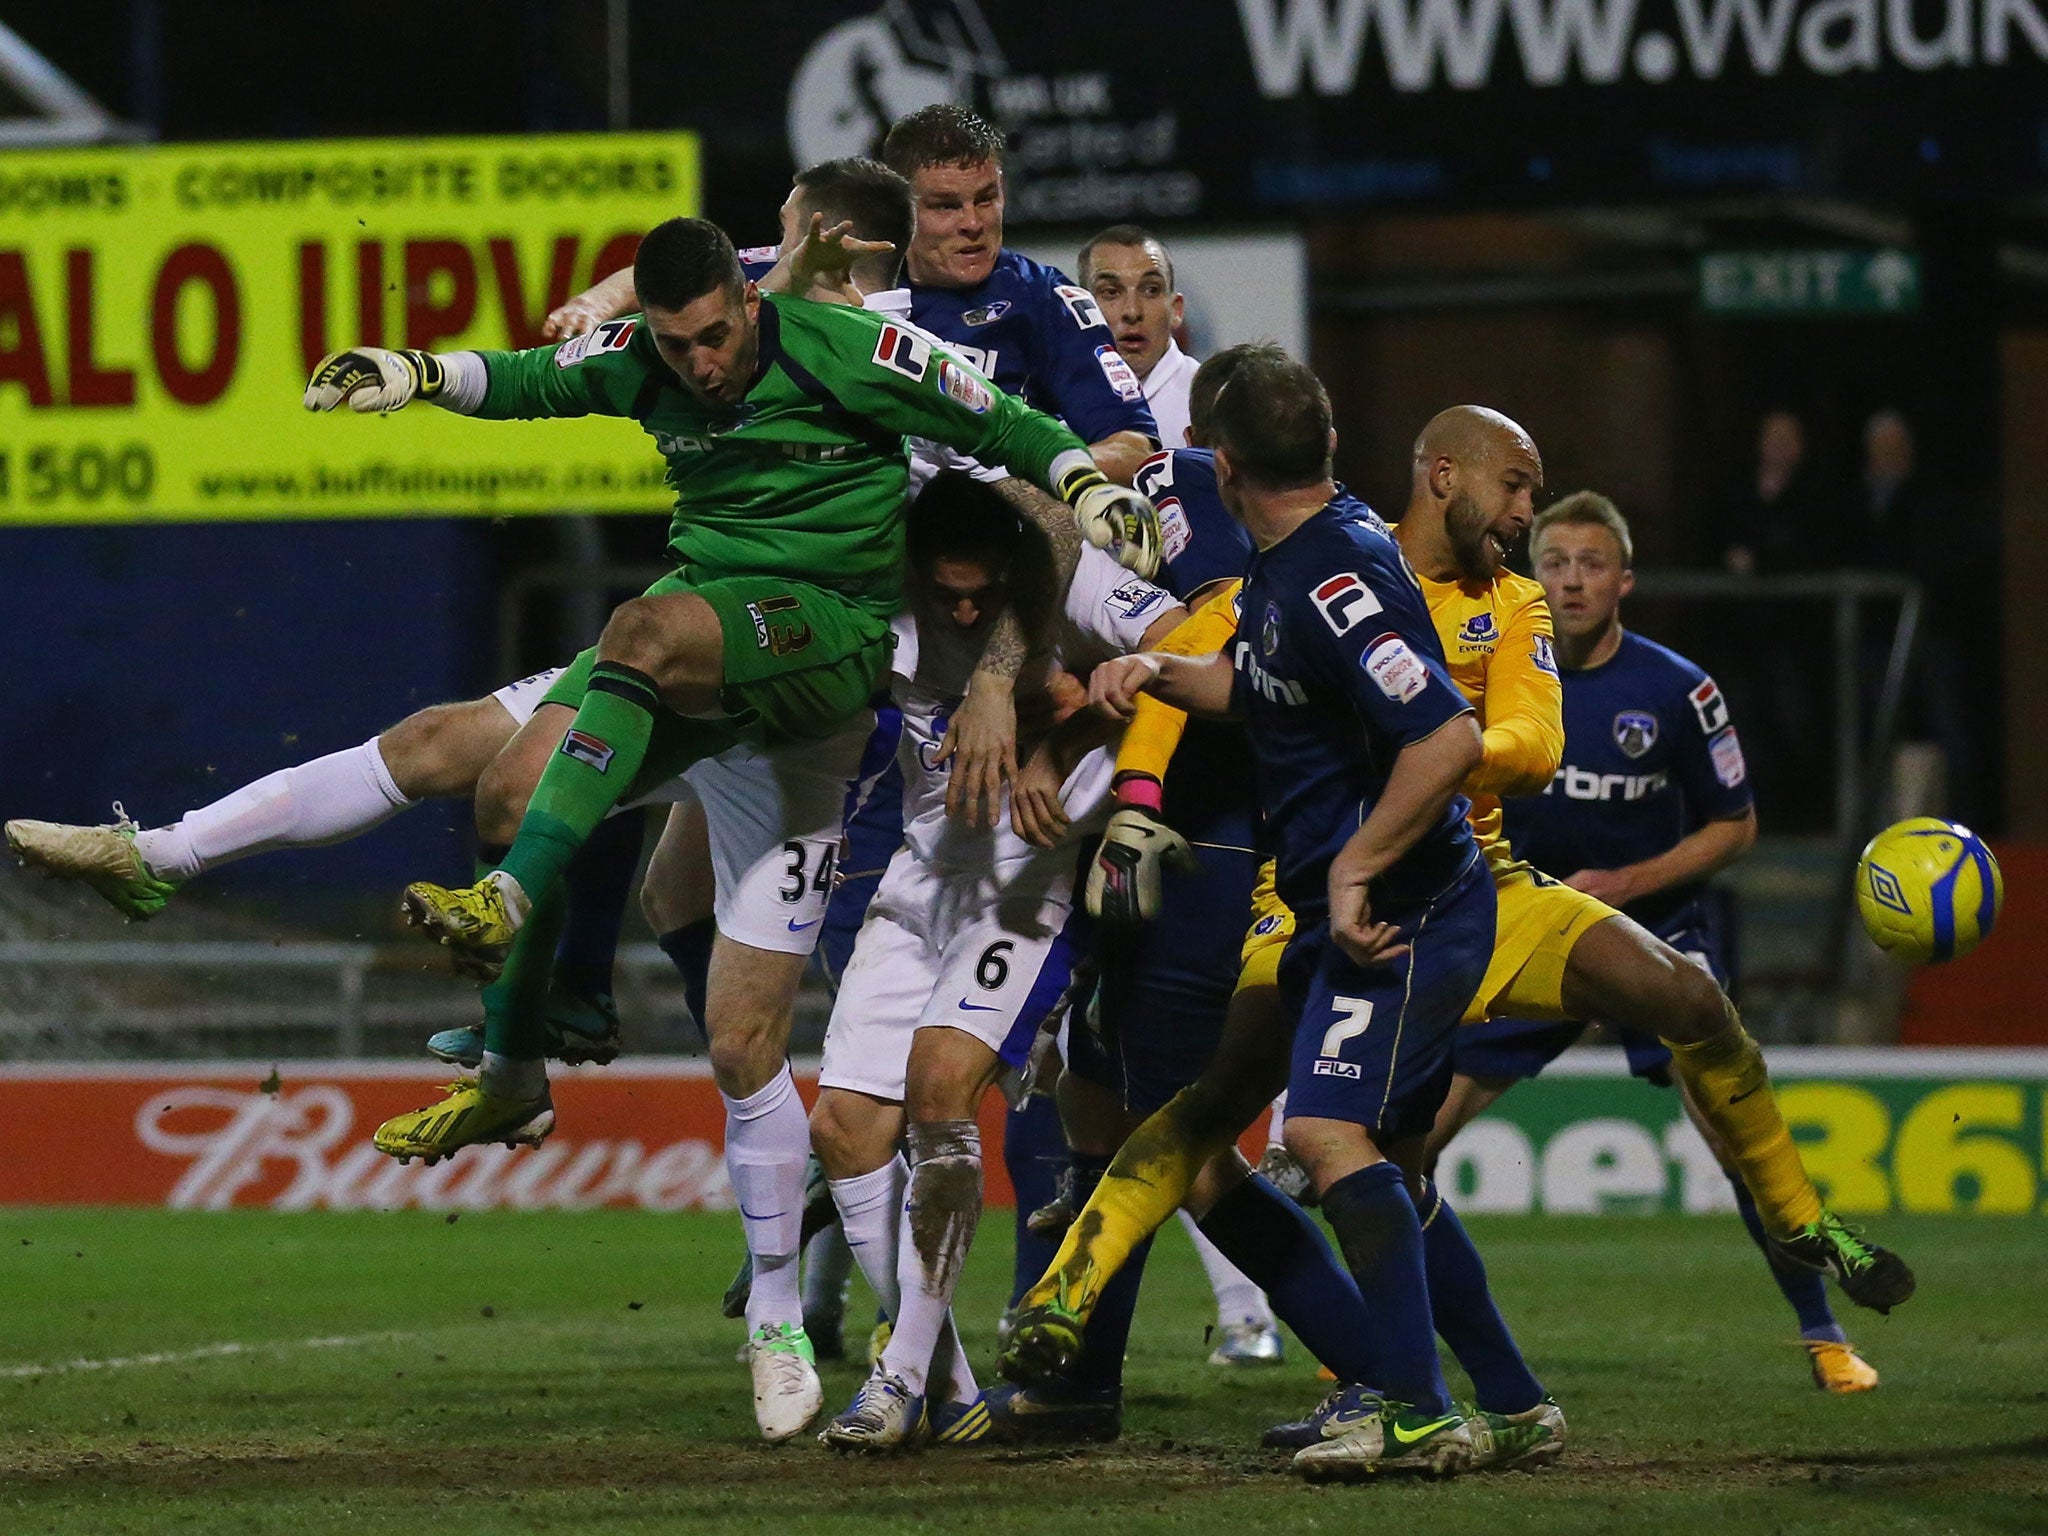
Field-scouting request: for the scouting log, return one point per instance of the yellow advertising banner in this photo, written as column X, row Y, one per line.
column 161, row 307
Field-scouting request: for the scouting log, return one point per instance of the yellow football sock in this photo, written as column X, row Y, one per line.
column 1729, row 1082
column 1143, row 1187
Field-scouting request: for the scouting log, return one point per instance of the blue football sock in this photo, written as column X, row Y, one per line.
column 1108, row 1334
column 1465, row 1316
column 1381, row 1236
column 599, row 879
column 1034, row 1156
column 689, row 949
column 1807, row 1291
column 1284, row 1253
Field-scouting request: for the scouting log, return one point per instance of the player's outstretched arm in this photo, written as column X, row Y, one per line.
column 1426, row 773
column 1197, row 685
column 375, row 380
column 606, row 299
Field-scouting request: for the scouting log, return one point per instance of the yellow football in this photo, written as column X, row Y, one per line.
column 1928, row 890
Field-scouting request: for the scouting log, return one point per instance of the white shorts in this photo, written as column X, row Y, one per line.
column 993, row 955
column 773, row 820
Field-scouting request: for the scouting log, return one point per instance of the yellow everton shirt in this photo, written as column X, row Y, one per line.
column 1496, row 636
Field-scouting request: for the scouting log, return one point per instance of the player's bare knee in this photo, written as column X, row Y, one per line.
column 1698, row 1008
column 745, row 1051
column 634, row 637
column 439, row 752
column 852, row 1135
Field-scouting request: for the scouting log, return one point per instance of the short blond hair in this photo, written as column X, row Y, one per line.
column 1586, row 509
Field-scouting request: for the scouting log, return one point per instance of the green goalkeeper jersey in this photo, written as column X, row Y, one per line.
column 807, row 476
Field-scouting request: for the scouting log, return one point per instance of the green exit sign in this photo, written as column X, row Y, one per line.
column 1810, row 284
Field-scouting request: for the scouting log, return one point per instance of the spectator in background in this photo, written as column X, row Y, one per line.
column 1771, row 525
column 1902, row 521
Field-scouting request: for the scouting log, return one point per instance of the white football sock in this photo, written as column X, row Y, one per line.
column 828, row 1263
column 328, row 800
column 513, row 1077
column 871, row 1215
column 1237, row 1299
column 941, row 1208
column 1276, row 1129
column 767, row 1139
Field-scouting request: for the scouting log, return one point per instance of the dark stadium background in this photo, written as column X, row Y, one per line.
column 1534, row 246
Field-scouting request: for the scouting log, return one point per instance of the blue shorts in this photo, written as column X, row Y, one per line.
column 1373, row 1045
column 1521, row 1048
column 1158, row 1011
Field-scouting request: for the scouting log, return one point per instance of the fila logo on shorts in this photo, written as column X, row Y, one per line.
column 1344, row 602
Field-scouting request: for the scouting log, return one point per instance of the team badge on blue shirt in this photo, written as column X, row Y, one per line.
column 1635, row 731
column 987, row 313
column 1269, row 632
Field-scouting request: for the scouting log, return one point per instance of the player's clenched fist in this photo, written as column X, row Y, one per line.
column 374, row 379
column 1114, row 686
column 1123, row 882
column 1119, row 521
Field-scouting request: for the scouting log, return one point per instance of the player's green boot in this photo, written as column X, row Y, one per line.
column 477, row 923
column 1043, row 1344
column 580, row 1029
column 466, row 1117
column 1524, row 1440
column 1870, row 1276
column 1400, row 1440
column 103, row 857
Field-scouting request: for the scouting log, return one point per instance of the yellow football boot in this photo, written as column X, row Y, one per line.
column 1838, row 1368
column 477, row 923
column 468, row 1116
column 103, row 857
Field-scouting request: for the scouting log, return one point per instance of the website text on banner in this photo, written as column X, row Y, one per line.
column 161, row 307
column 1923, row 1131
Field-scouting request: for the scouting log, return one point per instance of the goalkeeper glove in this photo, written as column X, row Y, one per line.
column 374, row 379
column 1123, row 881
column 1111, row 517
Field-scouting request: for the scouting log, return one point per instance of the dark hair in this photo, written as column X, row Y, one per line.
column 1216, row 371
column 941, row 134
column 1271, row 416
column 956, row 517
column 874, row 197
column 682, row 260
column 1125, row 234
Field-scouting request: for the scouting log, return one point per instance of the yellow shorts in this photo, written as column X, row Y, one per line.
column 1539, row 922
column 1272, row 926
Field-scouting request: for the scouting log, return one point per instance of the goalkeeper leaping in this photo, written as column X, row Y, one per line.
column 783, row 423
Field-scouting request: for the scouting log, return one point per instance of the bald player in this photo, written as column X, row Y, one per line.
column 1559, row 953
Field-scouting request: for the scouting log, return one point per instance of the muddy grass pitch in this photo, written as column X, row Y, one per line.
column 255, row 1372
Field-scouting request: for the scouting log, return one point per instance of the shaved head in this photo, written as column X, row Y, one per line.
column 1476, row 475
column 1474, row 435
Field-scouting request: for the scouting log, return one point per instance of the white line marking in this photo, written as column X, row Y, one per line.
column 206, row 1352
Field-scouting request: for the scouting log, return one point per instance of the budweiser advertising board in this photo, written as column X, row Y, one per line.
column 645, row 1134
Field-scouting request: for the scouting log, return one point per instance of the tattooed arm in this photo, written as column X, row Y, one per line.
column 981, row 738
